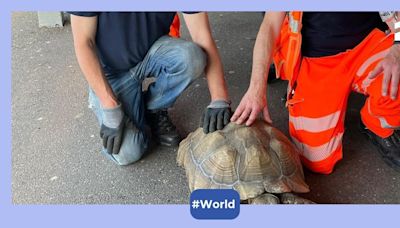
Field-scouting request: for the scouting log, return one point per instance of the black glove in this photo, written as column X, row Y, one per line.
column 216, row 116
column 112, row 129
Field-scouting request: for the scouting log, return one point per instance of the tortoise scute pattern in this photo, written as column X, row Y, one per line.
column 252, row 160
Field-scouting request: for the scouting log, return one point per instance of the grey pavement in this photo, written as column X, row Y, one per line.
column 56, row 149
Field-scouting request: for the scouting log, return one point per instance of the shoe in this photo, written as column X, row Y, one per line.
column 389, row 147
column 163, row 130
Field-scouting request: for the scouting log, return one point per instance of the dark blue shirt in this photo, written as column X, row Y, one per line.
column 123, row 38
column 329, row 33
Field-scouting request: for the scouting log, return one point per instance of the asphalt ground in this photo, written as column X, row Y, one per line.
column 56, row 149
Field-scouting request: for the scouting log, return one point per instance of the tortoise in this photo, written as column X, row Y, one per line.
column 259, row 162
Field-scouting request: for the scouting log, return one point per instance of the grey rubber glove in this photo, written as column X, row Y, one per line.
column 216, row 116
column 112, row 129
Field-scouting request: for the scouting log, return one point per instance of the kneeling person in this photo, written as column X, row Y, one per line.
column 117, row 51
column 325, row 56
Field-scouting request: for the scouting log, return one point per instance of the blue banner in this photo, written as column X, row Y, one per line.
column 215, row 204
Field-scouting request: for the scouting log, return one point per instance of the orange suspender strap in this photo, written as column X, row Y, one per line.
column 174, row 29
column 294, row 46
column 287, row 56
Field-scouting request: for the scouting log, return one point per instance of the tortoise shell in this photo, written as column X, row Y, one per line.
column 252, row 160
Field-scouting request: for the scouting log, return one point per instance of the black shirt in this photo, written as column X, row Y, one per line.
column 329, row 33
column 123, row 39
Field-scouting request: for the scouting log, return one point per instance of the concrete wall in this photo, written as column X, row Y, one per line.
column 51, row 19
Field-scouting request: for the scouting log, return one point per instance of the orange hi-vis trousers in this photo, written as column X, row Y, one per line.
column 317, row 107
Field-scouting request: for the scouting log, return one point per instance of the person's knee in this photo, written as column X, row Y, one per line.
column 194, row 59
column 134, row 145
column 128, row 156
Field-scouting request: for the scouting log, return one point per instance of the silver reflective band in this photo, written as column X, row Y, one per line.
column 294, row 25
column 397, row 34
column 386, row 125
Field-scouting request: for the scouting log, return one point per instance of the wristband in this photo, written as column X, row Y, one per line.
column 219, row 104
column 112, row 117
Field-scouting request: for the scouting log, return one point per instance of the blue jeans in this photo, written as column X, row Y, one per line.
column 175, row 64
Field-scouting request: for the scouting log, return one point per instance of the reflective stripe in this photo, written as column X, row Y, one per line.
column 357, row 89
column 319, row 153
column 366, row 83
column 382, row 120
column 293, row 24
column 385, row 124
column 370, row 60
column 315, row 125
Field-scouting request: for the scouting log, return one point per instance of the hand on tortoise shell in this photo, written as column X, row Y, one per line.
column 252, row 103
column 216, row 116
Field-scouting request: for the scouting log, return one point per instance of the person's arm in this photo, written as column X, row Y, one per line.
column 390, row 65
column 84, row 33
column 113, row 118
column 218, row 113
column 199, row 29
column 255, row 101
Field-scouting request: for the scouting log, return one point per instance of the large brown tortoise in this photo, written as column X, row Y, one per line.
column 258, row 161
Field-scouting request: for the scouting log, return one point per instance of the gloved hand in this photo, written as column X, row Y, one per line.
column 112, row 129
column 216, row 116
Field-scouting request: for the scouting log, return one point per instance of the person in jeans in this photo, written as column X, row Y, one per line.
column 117, row 51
